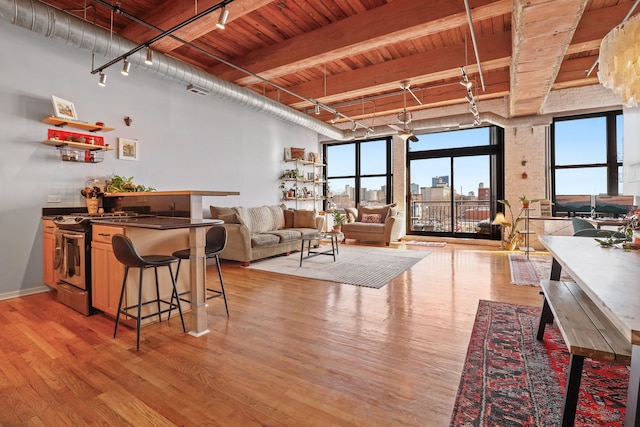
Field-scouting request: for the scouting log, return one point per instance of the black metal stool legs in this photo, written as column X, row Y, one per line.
column 124, row 281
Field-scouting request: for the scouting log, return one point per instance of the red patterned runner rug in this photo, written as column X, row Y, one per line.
column 512, row 379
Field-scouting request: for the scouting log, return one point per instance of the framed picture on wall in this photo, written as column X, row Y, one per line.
column 128, row 149
column 63, row 109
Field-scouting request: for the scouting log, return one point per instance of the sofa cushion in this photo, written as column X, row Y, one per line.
column 264, row 239
column 304, row 219
column 361, row 227
column 261, row 219
column 307, row 232
column 286, row 235
column 225, row 214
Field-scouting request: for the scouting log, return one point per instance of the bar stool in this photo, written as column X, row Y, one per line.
column 125, row 253
column 216, row 242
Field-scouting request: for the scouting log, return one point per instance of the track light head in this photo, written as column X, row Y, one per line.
column 103, row 79
column 222, row 20
column 317, row 109
column 126, row 66
column 149, row 59
column 355, row 126
column 335, row 119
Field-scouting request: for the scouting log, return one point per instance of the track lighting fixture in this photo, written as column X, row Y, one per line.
column 317, row 109
column 222, row 20
column 103, row 79
column 149, row 60
column 473, row 107
column 335, row 119
column 355, row 126
column 126, row 66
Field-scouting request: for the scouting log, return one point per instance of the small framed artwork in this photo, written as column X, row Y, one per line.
column 287, row 153
column 63, row 109
column 128, row 149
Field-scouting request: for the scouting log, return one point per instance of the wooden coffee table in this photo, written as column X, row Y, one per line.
column 310, row 254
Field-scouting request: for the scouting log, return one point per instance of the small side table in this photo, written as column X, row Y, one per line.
column 310, row 253
column 334, row 236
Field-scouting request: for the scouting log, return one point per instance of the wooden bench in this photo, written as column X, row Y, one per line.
column 586, row 331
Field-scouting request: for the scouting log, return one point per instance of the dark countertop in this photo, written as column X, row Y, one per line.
column 159, row 223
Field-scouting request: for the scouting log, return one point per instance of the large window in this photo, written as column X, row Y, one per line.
column 358, row 172
column 454, row 178
column 586, row 158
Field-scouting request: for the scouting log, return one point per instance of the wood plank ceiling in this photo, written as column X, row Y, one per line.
column 352, row 55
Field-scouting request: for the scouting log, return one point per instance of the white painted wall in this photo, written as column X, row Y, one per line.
column 632, row 152
column 186, row 141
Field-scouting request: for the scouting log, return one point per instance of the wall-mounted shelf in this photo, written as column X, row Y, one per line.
column 76, row 145
column 55, row 121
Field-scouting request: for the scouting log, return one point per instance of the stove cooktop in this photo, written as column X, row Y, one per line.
column 83, row 219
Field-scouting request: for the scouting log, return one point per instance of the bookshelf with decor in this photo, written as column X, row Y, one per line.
column 304, row 184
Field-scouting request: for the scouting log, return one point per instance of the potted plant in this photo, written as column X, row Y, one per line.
column 511, row 236
column 283, row 188
column 338, row 220
column 525, row 201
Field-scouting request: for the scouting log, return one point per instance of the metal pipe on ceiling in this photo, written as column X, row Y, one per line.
column 475, row 44
column 56, row 24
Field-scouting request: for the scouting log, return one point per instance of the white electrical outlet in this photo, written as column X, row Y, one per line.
column 54, row 198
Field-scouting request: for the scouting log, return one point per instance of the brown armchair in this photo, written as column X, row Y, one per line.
column 374, row 224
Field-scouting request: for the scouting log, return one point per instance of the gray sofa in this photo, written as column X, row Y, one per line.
column 382, row 224
column 259, row 232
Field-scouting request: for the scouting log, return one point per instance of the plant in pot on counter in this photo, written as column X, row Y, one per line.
column 121, row 184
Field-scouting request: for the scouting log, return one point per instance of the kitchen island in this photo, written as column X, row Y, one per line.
column 197, row 261
column 180, row 203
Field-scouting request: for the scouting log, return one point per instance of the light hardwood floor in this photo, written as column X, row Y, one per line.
column 294, row 352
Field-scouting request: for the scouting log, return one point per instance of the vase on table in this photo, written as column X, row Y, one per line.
column 92, row 205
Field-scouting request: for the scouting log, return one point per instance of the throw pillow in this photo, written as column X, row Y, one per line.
column 225, row 214
column 371, row 218
column 288, row 218
column 304, row 219
column 277, row 217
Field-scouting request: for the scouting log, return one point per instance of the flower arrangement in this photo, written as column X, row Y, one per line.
column 90, row 192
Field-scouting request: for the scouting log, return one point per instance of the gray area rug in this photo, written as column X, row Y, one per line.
column 355, row 265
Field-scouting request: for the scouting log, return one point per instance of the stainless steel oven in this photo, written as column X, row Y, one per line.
column 73, row 258
column 72, row 265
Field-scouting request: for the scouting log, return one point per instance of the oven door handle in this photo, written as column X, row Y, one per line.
column 73, row 236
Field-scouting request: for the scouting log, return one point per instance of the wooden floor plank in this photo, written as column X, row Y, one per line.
column 293, row 351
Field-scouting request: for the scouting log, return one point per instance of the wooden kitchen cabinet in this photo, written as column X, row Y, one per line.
column 106, row 271
column 48, row 252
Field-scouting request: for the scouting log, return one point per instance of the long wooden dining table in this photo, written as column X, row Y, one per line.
column 611, row 278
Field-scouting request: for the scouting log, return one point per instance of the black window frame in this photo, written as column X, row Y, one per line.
column 611, row 162
column 358, row 176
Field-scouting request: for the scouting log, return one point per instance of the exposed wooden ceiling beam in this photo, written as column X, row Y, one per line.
column 542, row 31
column 398, row 21
column 171, row 13
column 420, row 69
